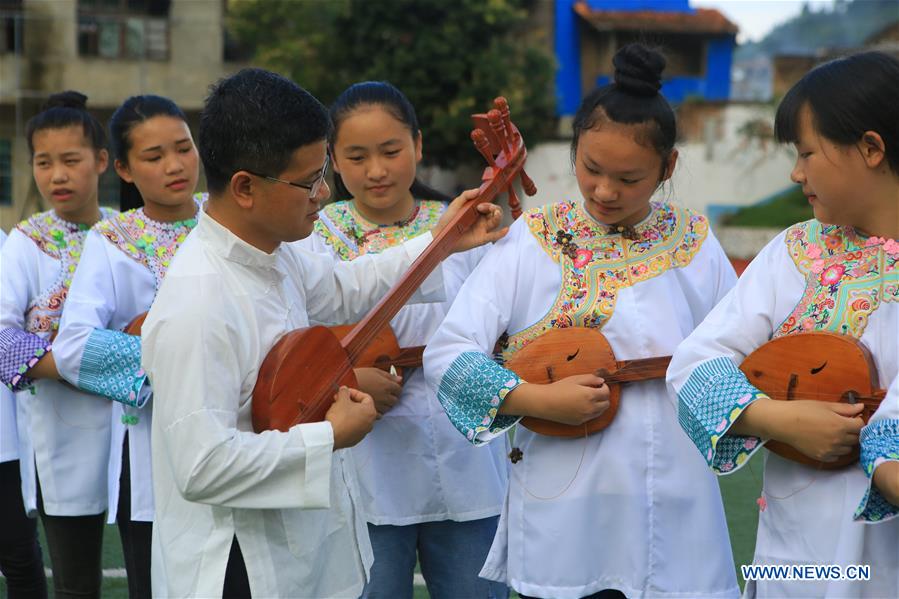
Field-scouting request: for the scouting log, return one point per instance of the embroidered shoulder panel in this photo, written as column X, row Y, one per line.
column 350, row 235
column 847, row 277
column 597, row 260
column 63, row 241
column 148, row 242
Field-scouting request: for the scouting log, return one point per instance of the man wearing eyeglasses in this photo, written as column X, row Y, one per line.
column 233, row 508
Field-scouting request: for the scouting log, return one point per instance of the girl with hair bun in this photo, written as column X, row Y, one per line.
column 836, row 273
column 631, row 510
column 124, row 261
column 64, row 449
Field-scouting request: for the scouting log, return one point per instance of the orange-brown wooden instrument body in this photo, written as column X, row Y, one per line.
column 300, row 375
column 284, row 357
column 816, row 365
column 137, row 323
column 561, row 353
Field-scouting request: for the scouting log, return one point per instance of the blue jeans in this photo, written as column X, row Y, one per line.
column 451, row 555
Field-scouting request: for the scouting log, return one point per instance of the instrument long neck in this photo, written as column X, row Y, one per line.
column 639, row 370
column 442, row 246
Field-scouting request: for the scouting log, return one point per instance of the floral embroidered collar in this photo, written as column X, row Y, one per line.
column 847, row 277
column 63, row 241
column 598, row 260
column 349, row 234
column 149, row 242
column 567, row 229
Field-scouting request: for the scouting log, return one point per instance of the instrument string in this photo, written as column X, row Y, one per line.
column 570, row 482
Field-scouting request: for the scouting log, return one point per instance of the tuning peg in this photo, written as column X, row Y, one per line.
column 496, row 123
column 527, row 184
column 483, row 145
column 502, row 105
column 514, row 203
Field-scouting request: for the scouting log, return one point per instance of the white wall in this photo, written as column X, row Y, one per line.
column 721, row 169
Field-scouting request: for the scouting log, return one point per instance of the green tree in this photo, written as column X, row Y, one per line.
column 450, row 58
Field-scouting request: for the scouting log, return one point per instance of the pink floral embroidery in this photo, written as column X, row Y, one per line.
column 727, row 466
column 750, row 443
column 582, row 258
column 721, row 426
column 745, row 399
column 762, row 503
column 833, row 274
column 847, row 277
column 597, row 261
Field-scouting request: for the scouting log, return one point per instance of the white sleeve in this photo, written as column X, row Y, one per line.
column 341, row 292
column 20, row 350
column 458, row 361
column 880, row 444
column 192, row 353
column 88, row 354
column 711, row 390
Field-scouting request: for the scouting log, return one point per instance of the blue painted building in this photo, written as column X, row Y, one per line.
column 698, row 44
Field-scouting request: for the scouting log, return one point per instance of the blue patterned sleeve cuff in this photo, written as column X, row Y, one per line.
column 712, row 399
column 880, row 443
column 19, row 352
column 471, row 392
column 110, row 366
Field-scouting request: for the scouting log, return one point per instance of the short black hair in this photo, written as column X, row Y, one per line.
column 846, row 96
column 632, row 99
column 255, row 120
column 66, row 109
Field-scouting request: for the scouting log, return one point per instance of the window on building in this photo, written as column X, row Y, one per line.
column 11, row 26
column 5, row 172
column 130, row 29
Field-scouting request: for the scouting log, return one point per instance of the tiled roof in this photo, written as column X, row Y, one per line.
column 703, row 20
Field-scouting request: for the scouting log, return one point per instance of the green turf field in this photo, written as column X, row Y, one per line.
column 739, row 490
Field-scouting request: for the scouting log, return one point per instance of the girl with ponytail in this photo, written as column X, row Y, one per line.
column 429, row 495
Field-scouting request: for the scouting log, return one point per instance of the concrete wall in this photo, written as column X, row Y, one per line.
column 717, row 168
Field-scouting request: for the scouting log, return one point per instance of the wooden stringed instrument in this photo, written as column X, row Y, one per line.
column 383, row 352
column 816, row 365
column 300, row 375
column 559, row 353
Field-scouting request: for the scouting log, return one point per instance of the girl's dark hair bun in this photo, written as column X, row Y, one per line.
column 638, row 70
column 67, row 99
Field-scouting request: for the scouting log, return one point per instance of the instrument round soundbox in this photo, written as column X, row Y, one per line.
column 295, row 384
column 815, row 365
column 560, row 353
